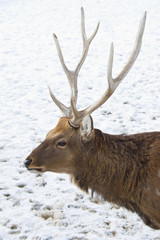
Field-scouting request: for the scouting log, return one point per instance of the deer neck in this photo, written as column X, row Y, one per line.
column 104, row 169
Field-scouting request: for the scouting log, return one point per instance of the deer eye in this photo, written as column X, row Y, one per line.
column 62, row 143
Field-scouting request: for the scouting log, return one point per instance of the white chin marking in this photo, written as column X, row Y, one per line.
column 35, row 171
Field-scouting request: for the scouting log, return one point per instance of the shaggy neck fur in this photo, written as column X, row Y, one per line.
column 116, row 168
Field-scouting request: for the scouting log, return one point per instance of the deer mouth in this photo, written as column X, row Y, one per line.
column 36, row 170
column 33, row 168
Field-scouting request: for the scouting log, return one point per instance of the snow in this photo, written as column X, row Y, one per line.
column 48, row 206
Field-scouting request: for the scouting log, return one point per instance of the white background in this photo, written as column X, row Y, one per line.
column 48, row 206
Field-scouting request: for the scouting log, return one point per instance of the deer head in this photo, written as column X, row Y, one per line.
column 73, row 136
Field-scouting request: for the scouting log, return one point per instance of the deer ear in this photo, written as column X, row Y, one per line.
column 86, row 128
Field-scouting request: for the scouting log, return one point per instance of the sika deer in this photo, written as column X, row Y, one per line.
column 122, row 169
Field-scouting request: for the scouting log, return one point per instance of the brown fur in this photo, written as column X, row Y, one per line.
column 122, row 169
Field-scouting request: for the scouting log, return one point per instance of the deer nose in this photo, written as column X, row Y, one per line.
column 27, row 163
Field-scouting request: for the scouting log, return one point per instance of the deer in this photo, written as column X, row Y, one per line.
column 122, row 169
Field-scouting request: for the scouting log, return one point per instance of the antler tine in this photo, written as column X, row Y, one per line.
column 72, row 75
column 135, row 50
column 65, row 110
column 114, row 82
column 86, row 42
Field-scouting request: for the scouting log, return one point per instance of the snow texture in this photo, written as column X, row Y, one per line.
column 48, row 206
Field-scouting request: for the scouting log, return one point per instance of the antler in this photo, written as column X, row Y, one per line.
column 72, row 112
column 72, row 75
column 112, row 82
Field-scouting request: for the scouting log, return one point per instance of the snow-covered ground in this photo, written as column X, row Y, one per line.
column 48, row 206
